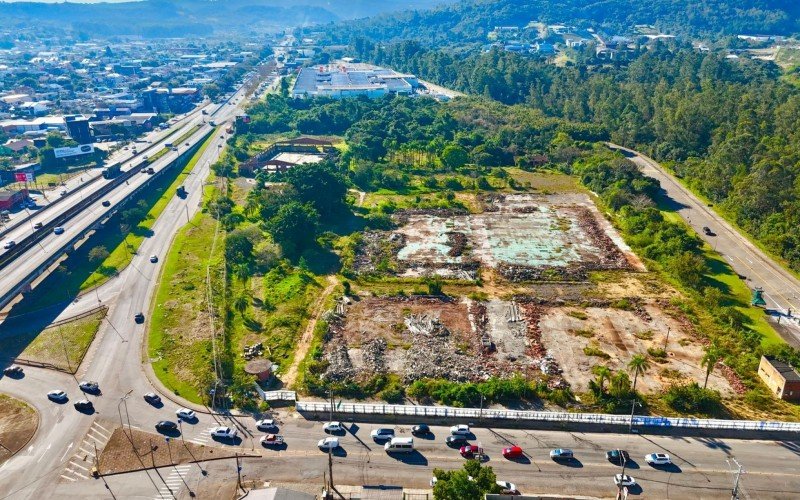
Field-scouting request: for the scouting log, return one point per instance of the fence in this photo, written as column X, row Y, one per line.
column 276, row 395
column 548, row 416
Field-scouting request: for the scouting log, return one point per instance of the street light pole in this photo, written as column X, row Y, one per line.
column 633, row 408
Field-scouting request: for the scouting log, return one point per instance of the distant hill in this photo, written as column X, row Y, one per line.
column 472, row 20
column 192, row 17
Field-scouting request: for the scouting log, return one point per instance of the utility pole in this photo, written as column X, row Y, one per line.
column 238, row 473
column 739, row 471
column 633, row 408
column 666, row 339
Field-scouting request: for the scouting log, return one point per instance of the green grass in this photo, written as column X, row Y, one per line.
column 47, row 346
column 122, row 255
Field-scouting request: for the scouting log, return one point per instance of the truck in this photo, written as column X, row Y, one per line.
column 111, row 170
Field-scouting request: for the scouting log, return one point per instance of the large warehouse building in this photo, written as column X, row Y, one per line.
column 342, row 81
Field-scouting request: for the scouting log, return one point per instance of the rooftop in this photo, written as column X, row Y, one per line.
column 785, row 369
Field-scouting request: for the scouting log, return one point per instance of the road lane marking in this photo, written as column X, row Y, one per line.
column 45, row 452
column 66, row 451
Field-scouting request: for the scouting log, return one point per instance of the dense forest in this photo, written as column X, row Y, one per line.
column 729, row 127
column 471, row 21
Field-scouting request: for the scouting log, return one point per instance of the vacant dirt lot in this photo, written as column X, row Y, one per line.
column 580, row 338
column 18, row 423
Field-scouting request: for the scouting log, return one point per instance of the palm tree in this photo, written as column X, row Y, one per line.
column 240, row 304
column 602, row 373
column 710, row 359
column 638, row 365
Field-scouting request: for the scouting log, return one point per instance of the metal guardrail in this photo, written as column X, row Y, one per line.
column 547, row 416
column 280, row 396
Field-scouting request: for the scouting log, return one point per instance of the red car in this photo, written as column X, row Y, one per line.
column 512, row 452
column 469, row 451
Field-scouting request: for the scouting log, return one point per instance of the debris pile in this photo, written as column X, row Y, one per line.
column 372, row 355
column 422, row 324
column 340, row 367
column 253, row 351
column 457, row 242
column 374, row 249
column 536, row 349
column 611, row 257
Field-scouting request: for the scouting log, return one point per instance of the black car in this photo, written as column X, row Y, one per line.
column 84, row 405
column 38, row 225
column 618, row 457
column 106, row 203
column 421, row 430
column 152, row 398
column 166, row 426
column 139, row 318
column 456, row 440
column 13, row 371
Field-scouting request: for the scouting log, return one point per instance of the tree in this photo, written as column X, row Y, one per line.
column 602, row 373
column 98, row 254
column 319, row 184
column 454, row 156
column 294, row 227
column 212, row 91
column 241, row 303
column 710, row 359
column 638, row 365
column 472, row 482
column 689, row 268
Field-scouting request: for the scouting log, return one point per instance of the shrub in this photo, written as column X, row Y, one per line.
column 691, row 399
column 593, row 350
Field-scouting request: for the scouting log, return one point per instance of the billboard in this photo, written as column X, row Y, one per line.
column 83, row 149
column 23, row 176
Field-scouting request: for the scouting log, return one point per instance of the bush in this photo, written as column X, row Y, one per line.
column 693, row 399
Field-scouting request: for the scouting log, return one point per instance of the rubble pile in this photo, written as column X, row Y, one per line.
column 732, row 378
column 611, row 257
column 375, row 247
column 478, row 318
column 372, row 354
column 402, row 217
column 340, row 367
column 547, row 364
column 457, row 242
column 519, row 273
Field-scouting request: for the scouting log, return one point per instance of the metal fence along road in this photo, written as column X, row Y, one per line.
column 548, row 416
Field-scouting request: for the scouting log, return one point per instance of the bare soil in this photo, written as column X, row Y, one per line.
column 18, row 423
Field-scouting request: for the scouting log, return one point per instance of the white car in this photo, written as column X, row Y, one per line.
column 382, row 433
column 507, row 487
column 224, row 433
column 186, row 414
column 9, row 244
column 332, row 427
column 328, row 443
column 460, row 430
column 625, row 480
column 57, row 395
column 266, row 424
column 657, row 459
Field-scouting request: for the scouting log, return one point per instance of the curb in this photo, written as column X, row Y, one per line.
column 214, row 459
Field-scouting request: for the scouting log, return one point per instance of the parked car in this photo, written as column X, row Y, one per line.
column 512, row 452
column 332, row 427
column 625, row 480
column 13, row 371
column 9, row 244
column 421, row 430
column 57, row 395
column 58, row 230
column 185, row 414
column 561, row 454
column 460, row 429
column 166, row 426
column 507, row 488
column 328, row 443
column 455, row 439
column 152, row 398
column 271, row 440
column 658, row 459
column 469, row 450
column 382, row 433
column 89, row 386
column 223, row 433
column 618, row 457
column 83, row 405
column 266, row 424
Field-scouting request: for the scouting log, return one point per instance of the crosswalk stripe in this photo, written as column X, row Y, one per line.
column 68, row 478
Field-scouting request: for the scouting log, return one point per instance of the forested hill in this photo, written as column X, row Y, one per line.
column 471, row 20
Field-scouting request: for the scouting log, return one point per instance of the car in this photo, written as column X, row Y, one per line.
column 460, row 429
column 166, row 426
column 328, row 443
column 154, row 258
column 187, row 143
column 63, row 192
column 455, row 439
column 106, row 203
column 223, row 432
column 561, row 454
column 152, row 398
column 469, row 450
column 83, row 405
column 619, row 457
column 271, row 440
column 185, row 414
column 266, row 424
column 512, row 452
column 658, row 459
column 332, row 427
column 507, row 487
column 9, row 244
column 139, row 318
column 707, row 231
column 625, row 480
column 175, row 149
column 13, row 371
column 38, row 225
column 89, row 386
column 57, row 395
column 58, row 230
column 421, row 430
column 383, row 433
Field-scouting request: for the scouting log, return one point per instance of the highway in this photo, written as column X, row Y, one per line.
column 781, row 288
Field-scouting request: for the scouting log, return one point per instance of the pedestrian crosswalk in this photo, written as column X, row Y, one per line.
column 203, row 437
column 85, row 457
column 173, row 482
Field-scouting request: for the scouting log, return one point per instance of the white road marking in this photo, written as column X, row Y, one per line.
column 78, row 466
column 45, row 452
column 68, row 478
column 98, row 425
column 66, row 451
